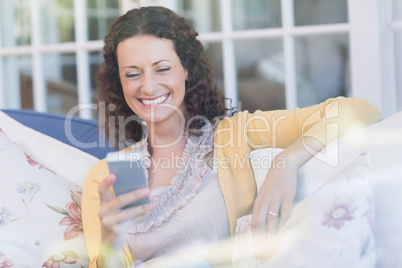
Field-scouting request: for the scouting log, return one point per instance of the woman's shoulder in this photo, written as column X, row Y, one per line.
column 235, row 119
column 98, row 172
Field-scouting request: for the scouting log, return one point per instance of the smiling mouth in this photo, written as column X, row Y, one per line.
column 155, row 101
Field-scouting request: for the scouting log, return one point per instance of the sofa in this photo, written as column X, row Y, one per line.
column 43, row 163
column 345, row 213
column 346, row 207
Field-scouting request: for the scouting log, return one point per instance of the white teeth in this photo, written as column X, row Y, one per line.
column 155, row 101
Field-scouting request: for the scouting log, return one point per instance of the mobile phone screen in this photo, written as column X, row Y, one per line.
column 130, row 175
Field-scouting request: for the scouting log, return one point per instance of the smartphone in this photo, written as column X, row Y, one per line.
column 129, row 172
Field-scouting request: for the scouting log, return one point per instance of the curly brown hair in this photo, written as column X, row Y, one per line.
column 202, row 96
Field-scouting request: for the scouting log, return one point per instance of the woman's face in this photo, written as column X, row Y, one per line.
column 152, row 78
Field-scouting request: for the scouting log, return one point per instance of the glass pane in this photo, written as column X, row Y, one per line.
column 256, row 14
column 111, row 3
column 143, row 3
column 397, row 9
column 57, row 21
column 204, row 16
column 312, row 12
column 398, row 69
column 15, row 23
column 61, row 82
column 215, row 56
column 260, row 74
column 18, row 83
column 95, row 60
column 100, row 15
column 322, row 68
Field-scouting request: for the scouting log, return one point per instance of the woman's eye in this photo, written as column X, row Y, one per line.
column 164, row 69
column 132, row 75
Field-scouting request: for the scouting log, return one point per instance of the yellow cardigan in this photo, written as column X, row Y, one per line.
column 235, row 137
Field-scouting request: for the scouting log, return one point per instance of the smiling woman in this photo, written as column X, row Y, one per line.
column 158, row 91
column 152, row 78
column 168, row 46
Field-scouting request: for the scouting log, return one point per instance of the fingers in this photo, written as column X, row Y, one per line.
column 123, row 200
column 260, row 209
column 115, row 221
column 104, row 186
column 273, row 204
column 286, row 210
column 120, row 201
column 135, row 214
column 273, row 216
column 114, row 226
column 269, row 193
column 111, row 211
column 266, row 214
column 265, row 220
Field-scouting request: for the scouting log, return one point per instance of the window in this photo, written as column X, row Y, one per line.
column 276, row 54
column 267, row 54
column 48, row 56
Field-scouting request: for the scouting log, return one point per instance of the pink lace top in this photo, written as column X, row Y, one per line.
column 190, row 210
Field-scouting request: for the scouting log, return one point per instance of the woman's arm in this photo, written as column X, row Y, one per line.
column 115, row 221
column 318, row 126
column 279, row 188
column 105, row 225
column 325, row 122
column 236, row 136
column 90, row 210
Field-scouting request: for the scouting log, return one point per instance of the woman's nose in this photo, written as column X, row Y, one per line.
column 148, row 84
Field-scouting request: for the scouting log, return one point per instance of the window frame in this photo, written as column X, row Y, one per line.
column 372, row 68
column 81, row 48
column 371, row 35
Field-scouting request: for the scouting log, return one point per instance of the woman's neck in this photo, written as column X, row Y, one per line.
column 166, row 136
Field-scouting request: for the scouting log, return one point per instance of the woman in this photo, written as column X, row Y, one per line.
column 154, row 69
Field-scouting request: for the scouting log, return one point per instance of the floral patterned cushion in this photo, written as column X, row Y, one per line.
column 332, row 227
column 40, row 213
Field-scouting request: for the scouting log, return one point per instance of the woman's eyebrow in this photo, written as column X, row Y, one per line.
column 130, row 67
column 136, row 67
column 157, row 62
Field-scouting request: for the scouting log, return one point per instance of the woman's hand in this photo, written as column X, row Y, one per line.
column 275, row 199
column 115, row 222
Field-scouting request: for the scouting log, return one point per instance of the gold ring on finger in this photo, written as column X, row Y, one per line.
column 272, row 213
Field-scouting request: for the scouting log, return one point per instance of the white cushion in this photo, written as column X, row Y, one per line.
column 332, row 227
column 40, row 199
column 383, row 143
column 67, row 161
column 261, row 161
